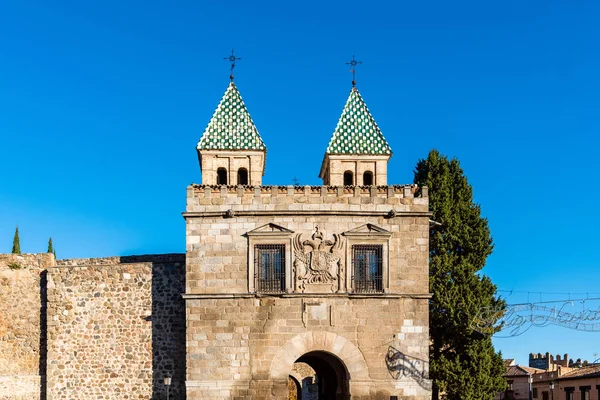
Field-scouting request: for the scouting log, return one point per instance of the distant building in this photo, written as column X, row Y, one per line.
column 560, row 378
column 517, row 381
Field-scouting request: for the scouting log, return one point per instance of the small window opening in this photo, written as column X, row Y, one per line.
column 221, row 176
column 368, row 268
column 269, row 260
column 348, row 178
column 242, row 176
column 368, row 178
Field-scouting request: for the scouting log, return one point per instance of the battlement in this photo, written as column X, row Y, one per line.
column 354, row 198
column 549, row 362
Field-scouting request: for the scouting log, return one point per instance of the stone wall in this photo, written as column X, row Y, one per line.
column 217, row 245
column 116, row 327
column 232, row 342
column 242, row 344
column 22, row 317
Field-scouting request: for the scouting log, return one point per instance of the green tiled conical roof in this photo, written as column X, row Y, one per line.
column 231, row 127
column 356, row 131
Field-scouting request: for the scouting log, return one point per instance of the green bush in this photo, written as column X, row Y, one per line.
column 14, row 265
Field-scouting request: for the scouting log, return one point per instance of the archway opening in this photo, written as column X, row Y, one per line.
column 322, row 375
column 242, row 177
column 348, row 178
column 368, row 178
column 221, row 176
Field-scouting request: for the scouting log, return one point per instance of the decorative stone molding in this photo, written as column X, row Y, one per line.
column 369, row 234
column 391, row 190
column 269, row 234
column 330, row 342
column 322, row 266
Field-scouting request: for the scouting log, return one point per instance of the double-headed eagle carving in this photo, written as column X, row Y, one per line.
column 320, row 264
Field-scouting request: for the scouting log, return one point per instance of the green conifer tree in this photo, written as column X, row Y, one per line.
column 16, row 248
column 50, row 247
column 463, row 362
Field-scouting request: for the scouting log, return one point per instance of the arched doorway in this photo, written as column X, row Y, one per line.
column 326, row 377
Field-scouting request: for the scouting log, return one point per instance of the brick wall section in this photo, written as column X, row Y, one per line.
column 116, row 327
column 21, row 308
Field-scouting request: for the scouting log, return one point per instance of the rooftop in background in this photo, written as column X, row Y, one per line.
column 520, row 370
column 591, row 371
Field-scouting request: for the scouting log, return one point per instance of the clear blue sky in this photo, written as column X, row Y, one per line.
column 102, row 104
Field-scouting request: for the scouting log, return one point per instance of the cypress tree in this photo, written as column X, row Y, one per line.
column 463, row 362
column 16, row 248
column 50, row 247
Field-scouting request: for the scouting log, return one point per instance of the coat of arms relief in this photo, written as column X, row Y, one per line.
column 318, row 262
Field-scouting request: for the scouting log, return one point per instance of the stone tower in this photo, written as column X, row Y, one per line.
column 314, row 292
column 231, row 152
column 357, row 153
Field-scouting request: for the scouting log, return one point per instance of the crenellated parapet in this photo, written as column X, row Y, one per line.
column 393, row 198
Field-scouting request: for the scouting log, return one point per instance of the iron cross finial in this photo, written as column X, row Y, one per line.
column 232, row 59
column 353, row 65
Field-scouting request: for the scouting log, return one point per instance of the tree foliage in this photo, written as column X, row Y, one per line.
column 464, row 364
column 50, row 247
column 16, row 247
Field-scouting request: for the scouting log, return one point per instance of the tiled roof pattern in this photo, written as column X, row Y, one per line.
column 356, row 131
column 231, row 127
column 520, row 370
column 583, row 372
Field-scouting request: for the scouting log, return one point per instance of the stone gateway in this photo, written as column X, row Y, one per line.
column 284, row 292
column 303, row 291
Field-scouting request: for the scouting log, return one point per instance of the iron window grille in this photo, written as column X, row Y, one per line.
column 269, row 267
column 367, row 263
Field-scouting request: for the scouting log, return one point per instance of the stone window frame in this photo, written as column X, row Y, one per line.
column 375, row 236
column 277, row 235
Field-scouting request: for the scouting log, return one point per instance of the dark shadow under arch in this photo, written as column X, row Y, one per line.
column 332, row 375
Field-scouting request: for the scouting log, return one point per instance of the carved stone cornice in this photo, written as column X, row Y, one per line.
column 191, row 296
column 261, row 213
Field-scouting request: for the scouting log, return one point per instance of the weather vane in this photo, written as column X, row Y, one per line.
column 232, row 59
column 353, row 65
